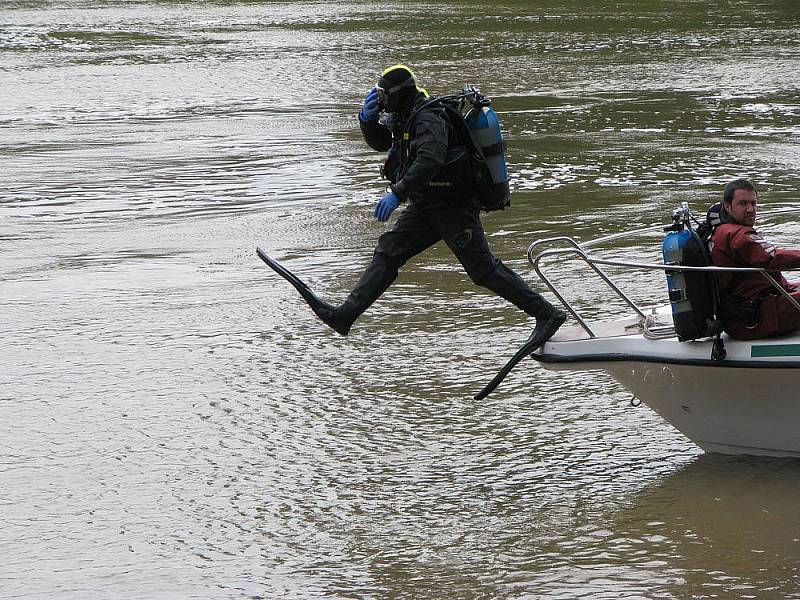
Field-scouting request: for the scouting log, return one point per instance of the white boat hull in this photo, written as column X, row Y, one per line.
column 740, row 399
column 748, row 403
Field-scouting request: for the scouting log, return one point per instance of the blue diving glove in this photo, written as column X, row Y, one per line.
column 386, row 206
column 369, row 112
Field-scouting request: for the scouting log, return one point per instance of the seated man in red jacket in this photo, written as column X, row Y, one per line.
column 751, row 307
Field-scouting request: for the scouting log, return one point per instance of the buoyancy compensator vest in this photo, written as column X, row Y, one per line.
column 476, row 154
column 693, row 295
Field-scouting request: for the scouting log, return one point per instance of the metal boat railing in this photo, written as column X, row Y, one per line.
column 576, row 249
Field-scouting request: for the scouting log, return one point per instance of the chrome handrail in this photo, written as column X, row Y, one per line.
column 578, row 249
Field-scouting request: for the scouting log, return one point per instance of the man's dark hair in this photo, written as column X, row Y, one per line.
column 737, row 184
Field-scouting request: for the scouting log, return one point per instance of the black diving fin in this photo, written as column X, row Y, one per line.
column 328, row 314
column 529, row 347
column 298, row 283
column 541, row 333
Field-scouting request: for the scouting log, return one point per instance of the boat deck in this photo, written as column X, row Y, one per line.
column 606, row 329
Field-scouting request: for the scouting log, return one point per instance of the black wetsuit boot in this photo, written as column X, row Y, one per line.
column 548, row 320
column 377, row 277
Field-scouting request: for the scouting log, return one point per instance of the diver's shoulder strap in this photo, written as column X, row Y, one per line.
column 405, row 136
column 415, row 113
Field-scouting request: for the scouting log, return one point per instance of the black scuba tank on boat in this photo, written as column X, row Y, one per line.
column 692, row 294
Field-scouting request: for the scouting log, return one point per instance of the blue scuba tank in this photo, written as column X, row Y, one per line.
column 692, row 294
column 485, row 129
column 673, row 249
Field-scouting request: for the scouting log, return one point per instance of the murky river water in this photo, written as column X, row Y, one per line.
column 174, row 423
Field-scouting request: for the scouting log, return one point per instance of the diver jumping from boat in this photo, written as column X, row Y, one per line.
column 398, row 116
column 750, row 307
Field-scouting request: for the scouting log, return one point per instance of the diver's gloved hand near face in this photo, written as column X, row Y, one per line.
column 369, row 112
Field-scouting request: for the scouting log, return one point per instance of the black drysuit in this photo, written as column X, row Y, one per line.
column 429, row 217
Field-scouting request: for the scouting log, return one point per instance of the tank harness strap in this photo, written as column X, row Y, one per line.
column 677, row 295
column 495, row 149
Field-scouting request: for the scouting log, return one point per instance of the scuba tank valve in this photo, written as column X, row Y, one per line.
column 680, row 218
column 474, row 96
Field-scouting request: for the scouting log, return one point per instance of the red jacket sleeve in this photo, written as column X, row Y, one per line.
column 750, row 249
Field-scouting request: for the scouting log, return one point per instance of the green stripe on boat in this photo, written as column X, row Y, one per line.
column 775, row 350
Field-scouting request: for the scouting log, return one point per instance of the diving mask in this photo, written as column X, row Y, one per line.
column 385, row 93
